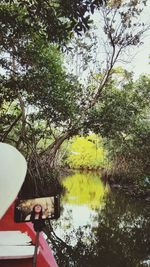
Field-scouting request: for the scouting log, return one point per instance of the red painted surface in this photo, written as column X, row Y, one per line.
column 45, row 257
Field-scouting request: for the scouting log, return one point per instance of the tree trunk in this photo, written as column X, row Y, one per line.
column 48, row 157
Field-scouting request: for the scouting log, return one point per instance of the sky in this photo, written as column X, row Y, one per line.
column 141, row 60
column 139, row 57
column 136, row 59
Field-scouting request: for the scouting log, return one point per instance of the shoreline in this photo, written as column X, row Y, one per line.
column 130, row 190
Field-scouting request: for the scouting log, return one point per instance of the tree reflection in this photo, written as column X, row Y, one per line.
column 120, row 238
column 85, row 188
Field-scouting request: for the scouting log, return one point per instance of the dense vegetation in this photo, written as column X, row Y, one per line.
column 86, row 153
column 42, row 104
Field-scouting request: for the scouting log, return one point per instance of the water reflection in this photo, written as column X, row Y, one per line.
column 115, row 234
column 85, row 189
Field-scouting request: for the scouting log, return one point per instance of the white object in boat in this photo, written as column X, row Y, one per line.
column 13, row 169
column 15, row 245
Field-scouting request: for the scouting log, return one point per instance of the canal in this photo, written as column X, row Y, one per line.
column 99, row 227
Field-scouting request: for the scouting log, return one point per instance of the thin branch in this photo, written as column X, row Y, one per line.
column 22, row 106
column 11, row 127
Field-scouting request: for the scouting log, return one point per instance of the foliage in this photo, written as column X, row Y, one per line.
column 39, row 100
column 45, row 87
column 36, row 93
column 86, row 152
column 58, row 18
column 132, row 150
column 34, row 70
column 120, row 107
column 131, row 157
column 32, row 104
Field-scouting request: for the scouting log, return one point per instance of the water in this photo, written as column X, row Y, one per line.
column 100, row 228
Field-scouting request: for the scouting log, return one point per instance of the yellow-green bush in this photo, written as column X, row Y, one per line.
column 86, row 152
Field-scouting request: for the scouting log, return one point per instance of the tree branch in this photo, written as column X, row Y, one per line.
column 11, row 127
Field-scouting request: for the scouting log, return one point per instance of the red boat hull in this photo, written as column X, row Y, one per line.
column 45, row 257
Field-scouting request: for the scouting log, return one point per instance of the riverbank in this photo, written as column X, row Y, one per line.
column 133, row 191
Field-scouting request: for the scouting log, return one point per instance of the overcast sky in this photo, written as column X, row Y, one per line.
column 135, row 59
column 139, row 57
column 141, row 61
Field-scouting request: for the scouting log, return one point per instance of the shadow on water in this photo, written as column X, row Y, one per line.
column 100, row 228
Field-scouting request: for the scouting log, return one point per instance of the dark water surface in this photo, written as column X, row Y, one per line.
column 100, row 228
